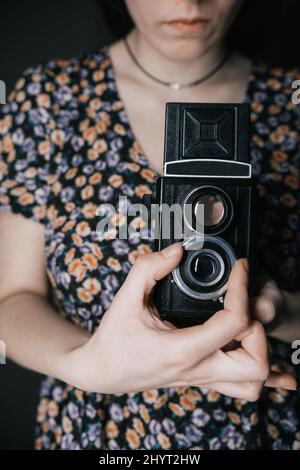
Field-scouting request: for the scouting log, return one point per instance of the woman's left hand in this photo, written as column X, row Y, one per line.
column 277, row 310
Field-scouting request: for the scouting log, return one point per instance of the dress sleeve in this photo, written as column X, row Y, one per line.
column 25, row 147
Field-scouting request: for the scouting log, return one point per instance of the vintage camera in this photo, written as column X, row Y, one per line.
column 207, row 165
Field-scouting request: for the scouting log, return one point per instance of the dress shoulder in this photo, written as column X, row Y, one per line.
column 33, row 124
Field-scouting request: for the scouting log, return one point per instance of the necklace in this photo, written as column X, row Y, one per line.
column 176, row 85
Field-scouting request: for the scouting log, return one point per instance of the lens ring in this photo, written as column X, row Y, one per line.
column 180, row 282
column 218, row 194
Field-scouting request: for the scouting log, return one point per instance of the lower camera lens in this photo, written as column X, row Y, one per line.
column 204, row 270
column 204, row 267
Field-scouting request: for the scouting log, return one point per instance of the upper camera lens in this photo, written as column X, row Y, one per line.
column 214, row 209
column 208, row 210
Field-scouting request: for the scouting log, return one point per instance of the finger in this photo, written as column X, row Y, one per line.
column 270, row 288
column 267, row 304
column 249, row 391
column 147, row 270
column 283, row 367
column 237, row 291
column 253, row 355
column 254, row 342
column 259, row 282
column 223, row 326
column 247, row 363
column 281, row 380
column 263, row 309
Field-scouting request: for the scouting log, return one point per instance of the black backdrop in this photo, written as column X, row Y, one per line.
column 32, row 31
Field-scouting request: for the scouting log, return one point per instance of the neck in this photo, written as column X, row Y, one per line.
column 171, row 70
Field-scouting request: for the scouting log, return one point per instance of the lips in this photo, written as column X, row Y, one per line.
column 188, row 25
column 188, row 21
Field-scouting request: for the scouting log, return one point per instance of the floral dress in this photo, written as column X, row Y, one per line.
column 66, row 146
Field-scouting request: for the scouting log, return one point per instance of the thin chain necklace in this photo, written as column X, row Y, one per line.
column 176, row 85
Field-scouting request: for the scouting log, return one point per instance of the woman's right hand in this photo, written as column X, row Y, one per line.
column 133, row 350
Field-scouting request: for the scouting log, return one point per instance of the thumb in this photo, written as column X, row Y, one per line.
column 147, row 270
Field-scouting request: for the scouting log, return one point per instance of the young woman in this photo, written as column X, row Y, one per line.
column 77, row 133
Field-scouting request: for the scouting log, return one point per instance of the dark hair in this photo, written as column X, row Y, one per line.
column 263, row 28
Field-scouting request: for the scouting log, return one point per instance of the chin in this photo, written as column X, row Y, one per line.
column 182, row 50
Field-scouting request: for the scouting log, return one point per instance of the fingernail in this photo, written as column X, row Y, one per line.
column 171, row 250
column 243, row 262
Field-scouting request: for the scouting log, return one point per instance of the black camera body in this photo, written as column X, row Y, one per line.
column 206, row 164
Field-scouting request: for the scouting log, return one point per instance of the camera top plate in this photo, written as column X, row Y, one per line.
column 198, row 133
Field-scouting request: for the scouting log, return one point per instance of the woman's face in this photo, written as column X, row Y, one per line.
column 183, row 30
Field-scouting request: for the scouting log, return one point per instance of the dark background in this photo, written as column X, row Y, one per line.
column 32, row 31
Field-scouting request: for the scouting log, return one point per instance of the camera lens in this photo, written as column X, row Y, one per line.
column 217, row 210
column 214, row 209
column 204, row 270
column 203, row 267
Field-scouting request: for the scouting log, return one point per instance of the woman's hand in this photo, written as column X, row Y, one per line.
column 133, row 350
column 277, row 310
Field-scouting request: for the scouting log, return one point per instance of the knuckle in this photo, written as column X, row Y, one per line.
column 258, row 327
column 243, row 321
column 143, row 263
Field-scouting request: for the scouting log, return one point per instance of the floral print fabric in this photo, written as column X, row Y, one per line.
column 66, row 146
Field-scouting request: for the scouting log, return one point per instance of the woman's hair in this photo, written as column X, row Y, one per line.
column 257, row 31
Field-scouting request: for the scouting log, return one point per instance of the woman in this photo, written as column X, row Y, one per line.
column 80, row 132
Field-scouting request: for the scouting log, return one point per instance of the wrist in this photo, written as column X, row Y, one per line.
column 83, row 367
column 69, row 364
